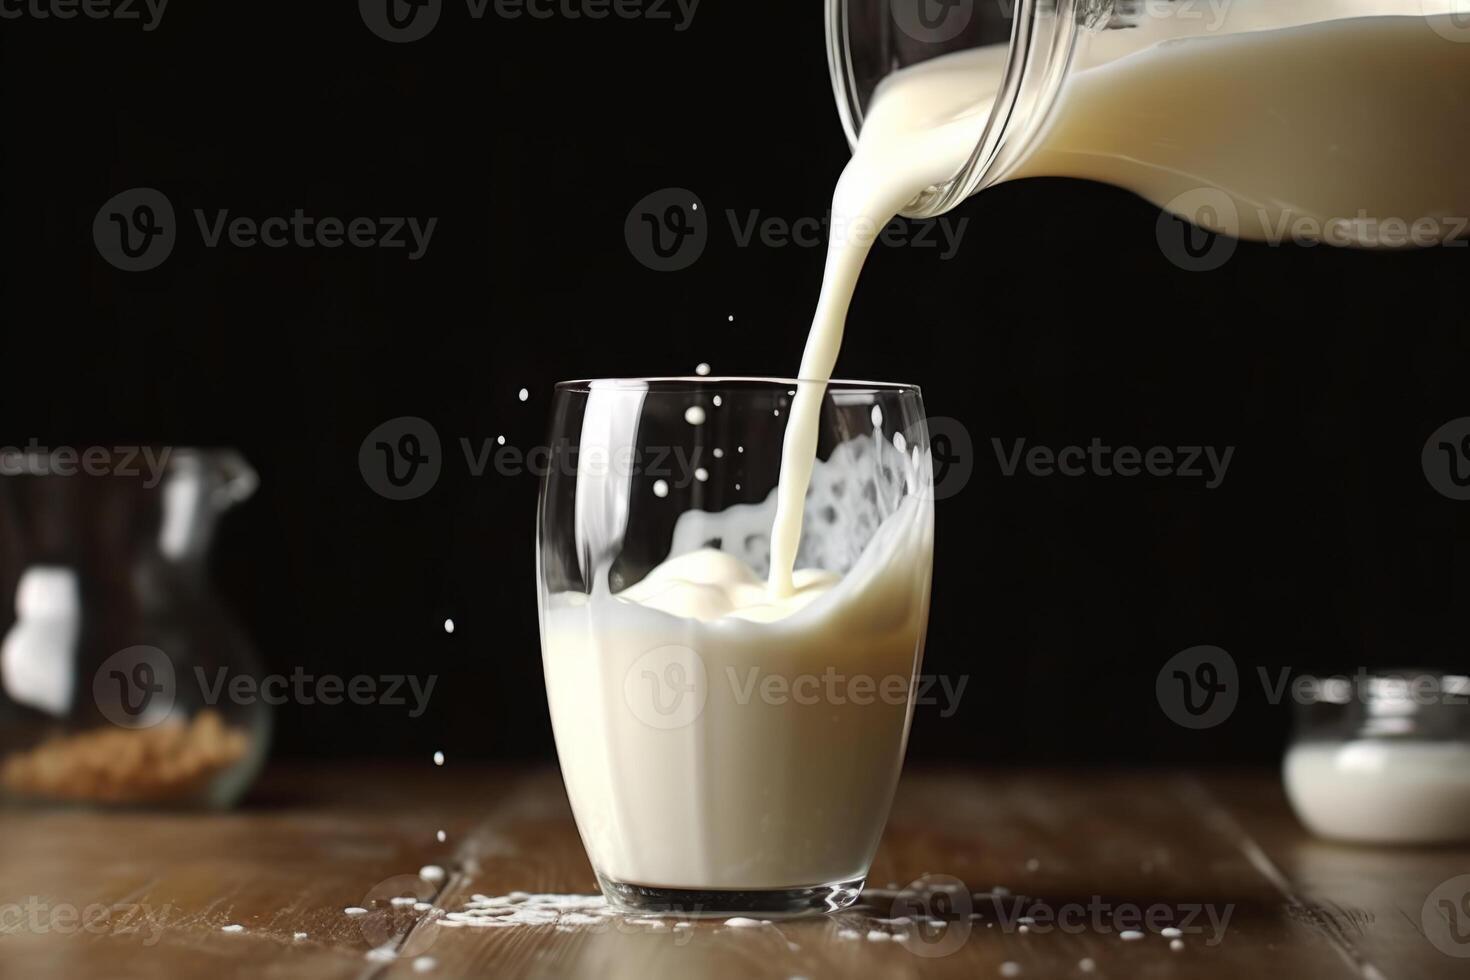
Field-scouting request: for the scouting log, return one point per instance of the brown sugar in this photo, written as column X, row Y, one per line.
column 170, row 761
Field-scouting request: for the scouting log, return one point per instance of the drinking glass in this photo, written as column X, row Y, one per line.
column 716, row 764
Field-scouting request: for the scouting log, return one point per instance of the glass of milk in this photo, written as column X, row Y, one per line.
column 728, row 746
column 1382, row 758
column 1335, row 121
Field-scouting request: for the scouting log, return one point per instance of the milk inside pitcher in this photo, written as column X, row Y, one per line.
column 1339, row 121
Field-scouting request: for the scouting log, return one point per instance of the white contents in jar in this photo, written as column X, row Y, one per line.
column 1390, row 791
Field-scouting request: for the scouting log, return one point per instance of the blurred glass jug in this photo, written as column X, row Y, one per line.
column 116, row 660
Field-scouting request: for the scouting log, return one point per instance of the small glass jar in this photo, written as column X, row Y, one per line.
column 1382, row 758
column 116, row 659
column 1339, row 121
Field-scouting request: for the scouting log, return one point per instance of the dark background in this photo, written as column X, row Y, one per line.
column 1059, row 319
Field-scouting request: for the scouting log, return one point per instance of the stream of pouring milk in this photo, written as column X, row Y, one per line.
column 923, row 125
column 1338, row 130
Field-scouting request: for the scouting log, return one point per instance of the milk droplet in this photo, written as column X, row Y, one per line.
column 449, row 626
column 441, row 836
column 740, row 449
column 701, row 369
column 899, row 442
column 431, row 873
column 739, row 922
column 694, row 415
column 660, row 488
column 1169, row 932
column 718, row 401
column 354, row 910
column 1009, row 969
column 523, row 394
column 877, row 416
column 1086, row 965
column 775, row 411
column 1176, row 944
column 298, row 936
column 737, row 486
column 732, row 317
column 438, row 758
column 500, row 440
column 1032, row 864
column 424, row 964
column 1130, row 935
column 232, row 927
column 701, row 474
column 719, row 453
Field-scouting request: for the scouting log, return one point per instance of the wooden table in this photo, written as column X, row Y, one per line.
column 149, row 894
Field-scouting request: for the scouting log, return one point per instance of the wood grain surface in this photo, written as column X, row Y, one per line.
column 1031, row 874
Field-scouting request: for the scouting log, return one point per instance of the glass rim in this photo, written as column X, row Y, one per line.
column 705, row 380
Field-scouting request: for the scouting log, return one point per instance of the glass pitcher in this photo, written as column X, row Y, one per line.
column 1339, row 121
column 116, row 661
